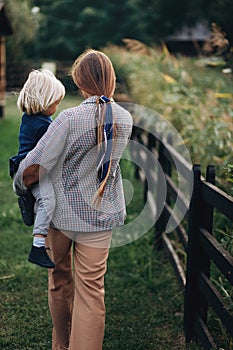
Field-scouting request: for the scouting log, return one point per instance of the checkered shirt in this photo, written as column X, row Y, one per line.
column 68, row 152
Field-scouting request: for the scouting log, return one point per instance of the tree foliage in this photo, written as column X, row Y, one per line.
column 66, row 28
column 24, row 29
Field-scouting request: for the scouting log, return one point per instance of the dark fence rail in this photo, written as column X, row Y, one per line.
column 16, row 75
column 194, row 233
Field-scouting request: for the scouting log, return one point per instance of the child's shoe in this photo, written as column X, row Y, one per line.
column 39, row 257
column 26, row 204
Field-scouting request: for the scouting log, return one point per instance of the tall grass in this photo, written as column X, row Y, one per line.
column 196, row 99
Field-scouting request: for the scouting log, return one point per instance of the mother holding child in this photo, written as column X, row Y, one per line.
column 79, row 154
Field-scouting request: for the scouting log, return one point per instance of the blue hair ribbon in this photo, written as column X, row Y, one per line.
column 103, row 166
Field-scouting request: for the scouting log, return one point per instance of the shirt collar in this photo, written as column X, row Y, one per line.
column 90, row 99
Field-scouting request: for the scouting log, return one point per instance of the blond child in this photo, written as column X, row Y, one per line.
column 38, row 100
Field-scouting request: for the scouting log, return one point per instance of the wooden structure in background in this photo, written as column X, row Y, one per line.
column 5, row 29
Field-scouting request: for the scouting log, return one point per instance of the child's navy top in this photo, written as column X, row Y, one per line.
column 32, row 128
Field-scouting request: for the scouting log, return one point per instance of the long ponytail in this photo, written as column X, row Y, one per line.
column 105, row 132
column 94, row 75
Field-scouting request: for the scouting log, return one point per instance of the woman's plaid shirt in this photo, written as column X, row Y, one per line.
column 68, row 152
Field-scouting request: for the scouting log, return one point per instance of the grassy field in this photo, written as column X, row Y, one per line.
column 144, row 303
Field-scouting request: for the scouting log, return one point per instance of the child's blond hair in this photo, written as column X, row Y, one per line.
column 40, row 91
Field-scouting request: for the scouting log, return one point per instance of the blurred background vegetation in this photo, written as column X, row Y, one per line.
column 63, row 29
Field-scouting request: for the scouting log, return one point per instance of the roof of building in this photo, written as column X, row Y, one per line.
column 199, row 31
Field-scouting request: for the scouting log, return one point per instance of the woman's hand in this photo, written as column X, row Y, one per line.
column 32, row 174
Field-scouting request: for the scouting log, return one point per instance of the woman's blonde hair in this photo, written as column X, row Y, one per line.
column 40, row 91
column 94, row 74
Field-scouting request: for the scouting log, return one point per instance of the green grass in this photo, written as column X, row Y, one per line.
column 144, row 303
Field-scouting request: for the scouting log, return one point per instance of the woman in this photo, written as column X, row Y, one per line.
column 80, row 153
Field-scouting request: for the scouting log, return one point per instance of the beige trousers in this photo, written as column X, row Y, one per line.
column 76, row 290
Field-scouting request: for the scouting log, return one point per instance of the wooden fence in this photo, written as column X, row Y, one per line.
column 200, row 249
column 17, row 74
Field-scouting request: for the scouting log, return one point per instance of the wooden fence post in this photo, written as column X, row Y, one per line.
column 200, row 216
column 2, row 75
column 191, row 289
column 206, row 223
column 134, row 135
column 165, row 169
column 150, row 145
column 151, row 141
column 5, row 29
